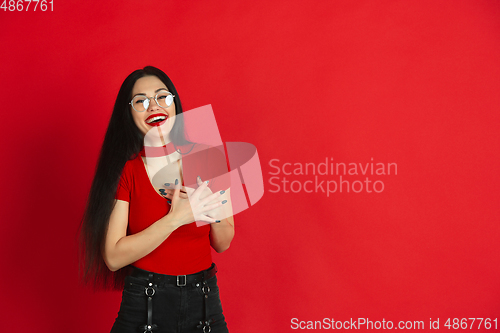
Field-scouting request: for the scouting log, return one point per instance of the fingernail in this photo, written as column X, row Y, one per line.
column 177, row 182
column 169, row 202
column 222, row 192
column 167, row 184
column 223, row 202
column 162, row 190
column 206, row 181
column 199, row 178
column 217, row 221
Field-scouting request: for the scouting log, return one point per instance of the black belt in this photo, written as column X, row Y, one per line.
column 176, row 280
column 155, row 279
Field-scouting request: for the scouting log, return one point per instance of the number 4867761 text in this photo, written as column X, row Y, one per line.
column 27, row 5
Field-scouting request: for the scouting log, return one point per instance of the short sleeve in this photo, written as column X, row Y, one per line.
column 125, row 184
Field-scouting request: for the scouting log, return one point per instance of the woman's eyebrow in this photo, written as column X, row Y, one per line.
column 157, row 90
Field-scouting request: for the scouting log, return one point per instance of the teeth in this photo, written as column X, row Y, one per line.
column 149, row 121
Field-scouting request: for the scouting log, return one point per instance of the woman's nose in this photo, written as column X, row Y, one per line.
column 152, row 104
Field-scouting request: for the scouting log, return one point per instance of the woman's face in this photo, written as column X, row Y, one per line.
column 149, row 86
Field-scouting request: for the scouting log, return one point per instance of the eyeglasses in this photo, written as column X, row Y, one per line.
column 140, row 103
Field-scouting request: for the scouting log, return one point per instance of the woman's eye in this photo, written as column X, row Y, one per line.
column 139, row 101
column 162, row 97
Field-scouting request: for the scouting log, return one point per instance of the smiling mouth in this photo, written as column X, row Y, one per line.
column 156, row 120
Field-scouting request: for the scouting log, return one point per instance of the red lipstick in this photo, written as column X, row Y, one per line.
column 156, row 119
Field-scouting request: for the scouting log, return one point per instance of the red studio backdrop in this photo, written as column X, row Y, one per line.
column 376, row 125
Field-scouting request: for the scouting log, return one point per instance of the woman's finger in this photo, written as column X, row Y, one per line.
column 212, row 197
column 182, row 195
column 208, row 208
column 196, row 194
column 171, row 190
column 177, row 190
column 167, row 195
column 205, row 218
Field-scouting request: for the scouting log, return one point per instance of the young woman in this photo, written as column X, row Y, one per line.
column 141, row 237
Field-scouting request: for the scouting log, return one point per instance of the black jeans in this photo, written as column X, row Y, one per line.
column 175, row 309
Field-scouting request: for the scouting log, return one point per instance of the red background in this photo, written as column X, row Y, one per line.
column 410, row 82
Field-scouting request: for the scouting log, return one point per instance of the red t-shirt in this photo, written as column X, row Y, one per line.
column 187, row 249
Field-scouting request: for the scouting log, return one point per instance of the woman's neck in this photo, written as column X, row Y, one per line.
column 153, row 139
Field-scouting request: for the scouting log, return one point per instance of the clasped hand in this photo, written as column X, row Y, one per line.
column 192, row 204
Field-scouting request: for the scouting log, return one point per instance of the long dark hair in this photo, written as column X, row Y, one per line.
column 123, row 141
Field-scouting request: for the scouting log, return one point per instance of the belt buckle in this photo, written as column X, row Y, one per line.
column 181, row 280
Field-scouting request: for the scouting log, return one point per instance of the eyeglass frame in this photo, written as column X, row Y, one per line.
column 149, row 100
